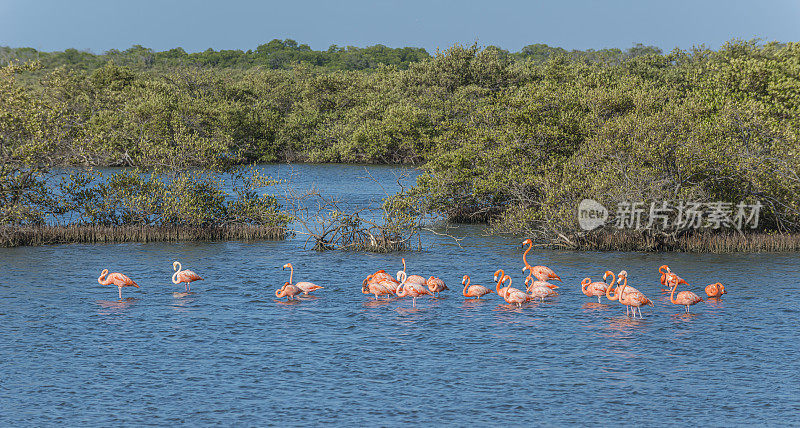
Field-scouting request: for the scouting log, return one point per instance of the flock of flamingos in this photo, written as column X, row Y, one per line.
column 536, row 286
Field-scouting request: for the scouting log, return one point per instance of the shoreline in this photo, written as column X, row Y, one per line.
column 19, row 236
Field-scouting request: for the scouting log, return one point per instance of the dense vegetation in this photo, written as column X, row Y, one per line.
column 282, row 54
column 514, row 139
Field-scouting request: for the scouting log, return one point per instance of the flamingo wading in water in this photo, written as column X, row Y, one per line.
column 379, row 283
column 413, row 290
column 512, row 295
column 592, row 289
column 668, row 277
column 631, row 299
column 116, row 278
column 715, row 290
column 435, row 285
column 475, row 291
column 542, row 273
column 539, row 289
column 288, row 291
column 185, row 276
column 685, row 298
column 305, row 287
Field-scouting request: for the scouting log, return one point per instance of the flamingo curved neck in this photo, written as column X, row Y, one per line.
column 525, row 256
column 672, row 295
column 466, row 286
column 585, row 283
column 618, row 292
column 608, row 289
column 102, row 279
column 291, row 273
column 499, row 283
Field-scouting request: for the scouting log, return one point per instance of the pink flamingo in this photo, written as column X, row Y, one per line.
column 631, row 299
column 116, row 278
column 306, row 287
column 414, row 279
column 379, row 284
column 685, row 298
column 513, row 295
column 538, row 283
column 668, row 277
column 715, row 290
column 288, row 290
column 186, row 276
column 413, row 290
column 435, row 285
column 475, row 291
column 498, row 276
column 592, row 289
column 539, row 291
column 542, row 273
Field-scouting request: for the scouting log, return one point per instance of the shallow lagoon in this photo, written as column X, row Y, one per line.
column 230, row 353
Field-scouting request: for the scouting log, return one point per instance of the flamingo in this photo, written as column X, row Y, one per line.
column 685, row 298
column 186, row 276
column 538, row 283
column 513, row 295
column 628, row 298
column 475, row 291
column 414, row 279
column 668, row 277
column 715, row 290
column 435, row 285
column 288, row 290
column 116, row 278
column 413, row 290
column 305, row 287
column 542, row 273
column 538, row 289
column 379, row 283
column 500, row 274
column 596, row 288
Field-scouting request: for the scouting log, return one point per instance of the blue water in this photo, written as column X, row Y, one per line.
column 230, row 353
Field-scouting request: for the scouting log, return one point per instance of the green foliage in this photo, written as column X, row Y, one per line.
column 515, row 139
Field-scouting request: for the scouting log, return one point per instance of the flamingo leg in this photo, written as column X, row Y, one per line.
column 120, row 292
column 598, row 299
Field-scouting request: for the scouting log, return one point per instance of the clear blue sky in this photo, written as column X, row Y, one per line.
column 573, row 24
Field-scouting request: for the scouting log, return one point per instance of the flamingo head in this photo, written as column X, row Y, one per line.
column 527, row 242
column 621, row 276
column 464, row 279
column 401, row 274
column 586, row 281
column 498, row 274
column 722, row 287
column 607, row 274
column 175, row 265
column 287, row 266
